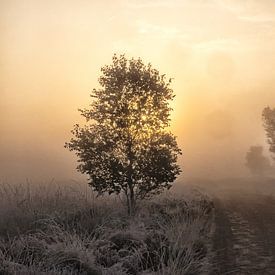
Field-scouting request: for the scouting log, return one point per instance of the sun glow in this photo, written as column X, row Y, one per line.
column 143, row 117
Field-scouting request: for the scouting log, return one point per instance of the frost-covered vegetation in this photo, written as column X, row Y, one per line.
column 64, row 229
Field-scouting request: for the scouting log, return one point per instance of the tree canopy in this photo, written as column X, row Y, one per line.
column 269, row 125
column 125, row 145
column 256, row 162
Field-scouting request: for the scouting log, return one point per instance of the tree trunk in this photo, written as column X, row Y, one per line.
column 131, row 200
column 128, row 203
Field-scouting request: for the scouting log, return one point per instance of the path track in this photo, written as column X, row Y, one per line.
column 244, row 239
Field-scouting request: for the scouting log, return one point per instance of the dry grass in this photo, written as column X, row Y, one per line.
column 64, row 229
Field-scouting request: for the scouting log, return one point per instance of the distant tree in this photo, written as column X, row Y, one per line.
column 269, row 125
column 126, row 146
column 256, row 162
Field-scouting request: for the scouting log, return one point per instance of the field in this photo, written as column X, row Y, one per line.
column 64, row 229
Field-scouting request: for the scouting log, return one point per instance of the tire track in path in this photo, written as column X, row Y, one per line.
column 244, row 240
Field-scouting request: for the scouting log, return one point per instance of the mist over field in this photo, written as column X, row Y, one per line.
column 91, row 194
column 220, row 55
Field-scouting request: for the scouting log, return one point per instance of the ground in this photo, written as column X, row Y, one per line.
column 62, row 229
column 245, row 234
column 244, row 238
column 211, row 227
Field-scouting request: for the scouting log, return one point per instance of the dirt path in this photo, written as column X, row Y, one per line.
column 244, row 239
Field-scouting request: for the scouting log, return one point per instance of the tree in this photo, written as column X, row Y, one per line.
column 257, row 163
column 269, row 125
column 126, row 147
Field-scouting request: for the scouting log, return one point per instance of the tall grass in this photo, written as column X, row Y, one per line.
column 65, row 229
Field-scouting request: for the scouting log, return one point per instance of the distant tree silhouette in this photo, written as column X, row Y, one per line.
column 256, row 162
column 269, row 125
column 126, row 146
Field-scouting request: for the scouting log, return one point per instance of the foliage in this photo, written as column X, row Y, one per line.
column 269, row 125
column 257, row 163
column 126, row 146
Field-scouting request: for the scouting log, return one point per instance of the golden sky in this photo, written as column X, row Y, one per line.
column 220, row 53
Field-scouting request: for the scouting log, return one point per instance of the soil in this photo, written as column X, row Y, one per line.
column 244, row 238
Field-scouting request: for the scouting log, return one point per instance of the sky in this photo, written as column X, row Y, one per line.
column 220, row 54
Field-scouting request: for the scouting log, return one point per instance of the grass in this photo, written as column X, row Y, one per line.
column 64, row 229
